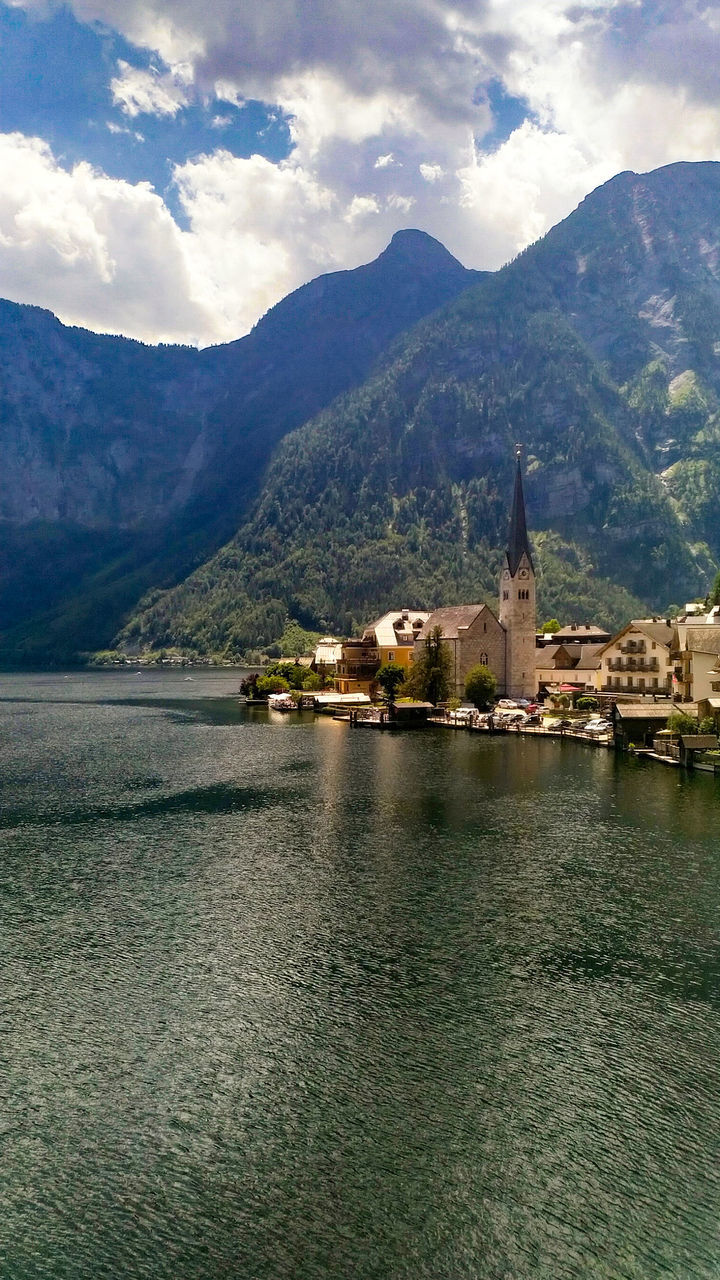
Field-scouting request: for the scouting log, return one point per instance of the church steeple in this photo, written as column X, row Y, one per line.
column 518, row 544
column 517, row 600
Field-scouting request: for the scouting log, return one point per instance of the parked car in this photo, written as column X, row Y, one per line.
column 598, row 726
column 506, row 704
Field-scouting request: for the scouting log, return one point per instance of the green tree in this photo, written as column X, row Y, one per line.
column 681, row 722
column 431, row 676
column 714, row 597
column 480, row 686
column 550, row 627
column 587, row 704
column 271, row 684
column 390, row 677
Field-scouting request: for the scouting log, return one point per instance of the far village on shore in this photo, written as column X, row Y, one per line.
column 653, row 688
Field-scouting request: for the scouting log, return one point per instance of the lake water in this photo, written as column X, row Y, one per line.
column 282, row 999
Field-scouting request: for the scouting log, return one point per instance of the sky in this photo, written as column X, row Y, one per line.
column 171, row 168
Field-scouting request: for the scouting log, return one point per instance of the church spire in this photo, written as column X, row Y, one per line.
column 518, row 544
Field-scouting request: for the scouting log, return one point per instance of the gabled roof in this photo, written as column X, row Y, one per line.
column 589, row 659
column 660, row 632
column 547, row 654
column 701, row 639
column 518, row 545
column 453, row 619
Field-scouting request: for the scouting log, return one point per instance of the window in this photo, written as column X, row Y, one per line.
column 391, row 655
column 505, row 595
column 655, row 682
column 484, row 626
column 484, row 659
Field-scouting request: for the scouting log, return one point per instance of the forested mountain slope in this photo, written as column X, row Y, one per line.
column 123, row 466
column 597, row 348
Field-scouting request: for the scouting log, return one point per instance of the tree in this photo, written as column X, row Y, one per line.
column 390, row 677
column 271, row 684
column 431, row 676
column 480, row 686
column 550, row 627
column 714, row 597
column 681, row 722
column 586, row 704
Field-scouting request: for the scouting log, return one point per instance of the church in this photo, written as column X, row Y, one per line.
column 504, row 642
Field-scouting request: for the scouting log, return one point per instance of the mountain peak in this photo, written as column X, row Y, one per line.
column 414, row 245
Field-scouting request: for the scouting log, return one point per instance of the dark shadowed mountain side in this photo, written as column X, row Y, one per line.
column 124, row 466
column 591, row 349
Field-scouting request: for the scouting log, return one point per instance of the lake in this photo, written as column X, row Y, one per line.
column 283, row 999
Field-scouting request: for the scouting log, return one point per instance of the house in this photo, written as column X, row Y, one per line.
column 505, row 643
column 572, row 664
column 695, row 650
column 637, row 660
column 390, row 639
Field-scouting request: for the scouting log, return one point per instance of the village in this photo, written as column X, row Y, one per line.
column 652, row 688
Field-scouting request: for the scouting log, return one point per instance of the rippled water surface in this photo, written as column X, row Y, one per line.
column 286, row 1000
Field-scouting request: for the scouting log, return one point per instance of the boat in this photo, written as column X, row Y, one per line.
column 281, row 702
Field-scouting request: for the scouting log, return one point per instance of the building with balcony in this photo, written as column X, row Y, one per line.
column 637, row 660
column 695, row 651
column 390, row 639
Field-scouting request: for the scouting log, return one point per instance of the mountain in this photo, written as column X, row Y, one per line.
column 356, row 448
column 123, row 466
column 598, row 348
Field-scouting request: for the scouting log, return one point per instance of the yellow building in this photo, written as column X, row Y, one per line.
column 390, row 639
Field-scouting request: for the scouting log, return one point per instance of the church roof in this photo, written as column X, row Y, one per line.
column 453, row 619
column 518, row 544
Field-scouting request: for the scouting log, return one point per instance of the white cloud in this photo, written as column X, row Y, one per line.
column 384, row 107
column 431, row 172
column 150, row 92
column 95, row 251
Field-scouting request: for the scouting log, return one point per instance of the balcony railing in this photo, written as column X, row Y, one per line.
column 634, row 664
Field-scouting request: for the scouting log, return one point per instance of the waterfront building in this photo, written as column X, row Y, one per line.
column 635, row 724
column 637, row 660
column 390, row 639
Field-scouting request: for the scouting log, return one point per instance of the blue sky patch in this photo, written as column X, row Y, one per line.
column 55, row 78
column 508, row 114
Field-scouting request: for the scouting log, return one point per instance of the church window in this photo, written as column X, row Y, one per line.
column 506, row 595
column 484, row 659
